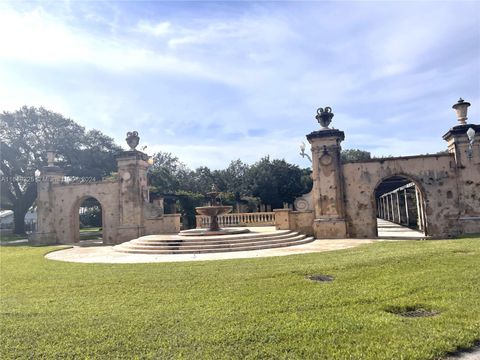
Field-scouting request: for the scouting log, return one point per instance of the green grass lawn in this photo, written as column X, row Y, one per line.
column 90, row 229
column 244, row 309
column 12, row 237
column 93, row 233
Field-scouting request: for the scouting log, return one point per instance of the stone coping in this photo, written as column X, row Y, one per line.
column 384, row 159
column 326, row 133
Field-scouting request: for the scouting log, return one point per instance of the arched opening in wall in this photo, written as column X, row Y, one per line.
column 90, row 222
column 400, row 208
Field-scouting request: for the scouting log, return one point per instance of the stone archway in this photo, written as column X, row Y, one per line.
column 400, row 199
column 126, row 209
column 75, row 218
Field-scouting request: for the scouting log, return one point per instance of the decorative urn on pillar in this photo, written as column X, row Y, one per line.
column 461, row 138
column 461, row 108
column 324, row 117
column 327, row 174
column 132, row 139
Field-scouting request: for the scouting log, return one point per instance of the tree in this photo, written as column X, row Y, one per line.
column 167, row 175
column 275, row 182
column 351, row 155
column 233, row 178
column 26, row 135
column 204, row 178
column 188, row 202
column 306, row 180
column 90, row 213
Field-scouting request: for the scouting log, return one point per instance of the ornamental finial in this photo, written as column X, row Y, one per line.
column 51, row 156
column 324, row 117
column 461, row 108
column 132, row 139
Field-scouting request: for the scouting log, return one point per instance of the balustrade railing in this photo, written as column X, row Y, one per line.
column 239, row 219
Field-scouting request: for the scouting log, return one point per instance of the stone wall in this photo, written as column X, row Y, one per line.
column 165, row 224
column 67, row 201
column 301, row 221
column 343, row 197
column 435, row 176
column 126, row 210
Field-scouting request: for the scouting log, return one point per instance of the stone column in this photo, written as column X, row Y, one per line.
column 466, row 151
column 419, row 210
column 384, row 214
column 392, row 200
column 328, row 188
column 45, row 233
column 282, row 219
column 398, row 207
column 384, row 209
column 133, row 193
column 387, row 203
column 407, row 217
column 384, row 200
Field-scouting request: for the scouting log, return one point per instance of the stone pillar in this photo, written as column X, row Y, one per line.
column 392, row 208
column 384, row 217
column 407, row 217
column 398, row 207
column 466, row 151
column 459, row 145
column 328, row 188
column 384, row 208
column 282, row 219
column 387, row 209
column 45, row 233
column 412, row 207
column 133, row 193
column 418, row 198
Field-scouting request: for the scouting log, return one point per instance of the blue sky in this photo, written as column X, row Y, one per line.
column 216, row 81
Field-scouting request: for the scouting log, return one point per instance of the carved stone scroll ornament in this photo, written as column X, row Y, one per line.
column 304, row 202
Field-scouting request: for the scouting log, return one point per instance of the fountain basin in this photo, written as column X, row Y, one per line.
column 213, row 210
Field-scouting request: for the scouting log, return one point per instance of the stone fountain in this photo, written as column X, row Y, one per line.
column 214, row 210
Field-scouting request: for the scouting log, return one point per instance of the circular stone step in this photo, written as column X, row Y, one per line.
column 194, row 244
column 207, row 232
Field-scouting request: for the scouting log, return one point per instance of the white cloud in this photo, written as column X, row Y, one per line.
column 16, row 92
column 266, row 69
column 218, row 156
column 40, row 38
column 158, row 29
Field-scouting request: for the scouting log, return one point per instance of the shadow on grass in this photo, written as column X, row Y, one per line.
column 462, row 351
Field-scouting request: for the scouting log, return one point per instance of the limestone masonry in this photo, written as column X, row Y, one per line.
column 437, row 194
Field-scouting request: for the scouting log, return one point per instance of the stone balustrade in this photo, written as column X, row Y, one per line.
column 239, row 219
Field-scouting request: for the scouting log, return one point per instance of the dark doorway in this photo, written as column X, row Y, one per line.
column 400, row 207
column 90, row 221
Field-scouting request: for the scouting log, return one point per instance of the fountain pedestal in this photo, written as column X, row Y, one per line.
column 214, row 210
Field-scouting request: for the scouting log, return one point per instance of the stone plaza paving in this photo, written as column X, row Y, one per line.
column 106, row 254
column 87, row 252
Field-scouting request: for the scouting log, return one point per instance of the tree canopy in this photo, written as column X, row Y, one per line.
column 275, row 181
column 272, row 182
column 26, row 135
column 351, row 155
